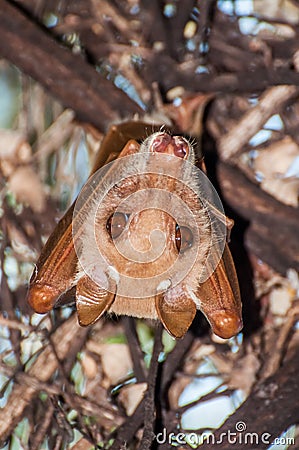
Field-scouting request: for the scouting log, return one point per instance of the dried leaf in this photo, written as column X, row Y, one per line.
column 189, row 113
column 116, row 360
column 28, row 189
column 176, row 390
column 13, row 146
column 131, row 396
column 82, row 444
column 89, row 366
column 197, row 353
column 244, row 372
column 223, row 364
column 280, row 300
column 285, row 10
column 20, row 243
column 239, row 373
column 285, row 190
column 273, row 163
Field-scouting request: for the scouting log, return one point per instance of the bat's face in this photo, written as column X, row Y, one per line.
column 149, row 242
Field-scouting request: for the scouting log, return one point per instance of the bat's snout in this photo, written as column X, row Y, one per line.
column 172, row 145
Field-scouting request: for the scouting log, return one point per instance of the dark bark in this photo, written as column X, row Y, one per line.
column 67, row 76
column 269, row 411
column 273, row 230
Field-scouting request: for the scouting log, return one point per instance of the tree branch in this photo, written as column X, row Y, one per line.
column 272, row 403
column 270, row 103
column 273, row 231
column 67, row 76
column 42, row 369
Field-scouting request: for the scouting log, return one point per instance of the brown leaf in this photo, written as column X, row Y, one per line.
column 280, row 299
column 188, row 115
column 131, row 396
column 244, row 373
column 82, row 444
column 13, row 146
column 27, row 187
column 176, row 390
column 20, row 244
column 116, row 360
column 285, row 10
column 89, row 366
column 273, row 163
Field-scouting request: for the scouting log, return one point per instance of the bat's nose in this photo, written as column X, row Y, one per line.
column 42, row 297
column 171, row 145
column 226, row 324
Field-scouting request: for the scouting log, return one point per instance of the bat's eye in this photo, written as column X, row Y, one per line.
column 183, row 238
column 116, row 224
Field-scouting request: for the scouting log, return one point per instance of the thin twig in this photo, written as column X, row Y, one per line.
column 145, row 410
column 268, row 411
column 273, row 361
column 43, row 368
column 150, row 404
column 69, row 77
column 39, row 435
column 270, row 103
column 135, row 349
column 128, row 429
column 14, row 324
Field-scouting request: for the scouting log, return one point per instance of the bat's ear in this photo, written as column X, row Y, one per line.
column 91, row 301
column 176, row 312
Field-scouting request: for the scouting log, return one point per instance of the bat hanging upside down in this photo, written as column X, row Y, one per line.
column 145, row 238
